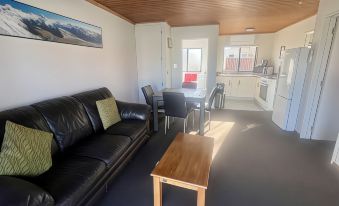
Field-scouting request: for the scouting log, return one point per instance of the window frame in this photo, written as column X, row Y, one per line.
column 239, row 58
column 187, row 55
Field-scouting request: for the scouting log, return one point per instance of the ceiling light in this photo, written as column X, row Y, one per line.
column 251, row 29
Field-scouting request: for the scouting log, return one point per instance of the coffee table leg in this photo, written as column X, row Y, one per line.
column 157, row 191
column 201, row 197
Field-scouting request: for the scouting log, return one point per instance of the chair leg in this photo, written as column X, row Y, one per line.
column 165, row 124
column 168, row 122
column 185, row 125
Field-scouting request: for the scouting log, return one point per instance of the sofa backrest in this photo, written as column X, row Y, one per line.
column 67, row 119
column 88, row 100
column 28, row 117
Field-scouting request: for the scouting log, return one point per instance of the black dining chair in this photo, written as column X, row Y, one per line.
column 175, row 106
column 148, row 94
column 189, row 85
column 208, row 105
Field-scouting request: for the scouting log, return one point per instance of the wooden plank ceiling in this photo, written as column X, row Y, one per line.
column 233, row 16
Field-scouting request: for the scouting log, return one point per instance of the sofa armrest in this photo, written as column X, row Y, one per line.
column 129, row 111
column 15, row 191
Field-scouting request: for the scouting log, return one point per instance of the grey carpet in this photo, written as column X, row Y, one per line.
column 256, row 165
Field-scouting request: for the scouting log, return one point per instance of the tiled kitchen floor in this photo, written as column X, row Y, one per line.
column 248, row 105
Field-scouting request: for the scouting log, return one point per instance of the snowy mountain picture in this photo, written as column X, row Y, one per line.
column 21, row 20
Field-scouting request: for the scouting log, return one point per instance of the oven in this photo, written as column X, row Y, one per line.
column 263, row 89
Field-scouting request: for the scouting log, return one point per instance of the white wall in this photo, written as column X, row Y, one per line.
column 34, row 70
column 209, row 32
column 292, row 37
column 263, row 41
column 326, row 9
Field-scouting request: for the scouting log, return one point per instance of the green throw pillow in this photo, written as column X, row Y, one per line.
column 108, row 112
column 25, row 151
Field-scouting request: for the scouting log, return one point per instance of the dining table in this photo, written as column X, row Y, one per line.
column 191, row 95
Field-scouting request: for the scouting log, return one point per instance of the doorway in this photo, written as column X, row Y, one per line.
column 326, row 121
column 194, row 62
column 320, row 119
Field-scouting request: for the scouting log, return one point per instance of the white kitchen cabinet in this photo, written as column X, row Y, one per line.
column 238, row 86
column 245, row 87
column 242, row 86
column 234, row 86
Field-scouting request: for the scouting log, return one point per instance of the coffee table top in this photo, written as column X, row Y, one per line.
column 188, row 160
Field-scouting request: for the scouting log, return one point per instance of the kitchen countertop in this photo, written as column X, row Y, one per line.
column 247, row 74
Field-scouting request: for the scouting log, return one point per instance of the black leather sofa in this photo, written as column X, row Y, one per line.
column 85, row 157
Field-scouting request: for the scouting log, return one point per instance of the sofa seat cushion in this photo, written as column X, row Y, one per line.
column 70, row 178
column 103, row 147
column 131, row 128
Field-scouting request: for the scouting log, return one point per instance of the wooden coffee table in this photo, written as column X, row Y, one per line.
column 186, row 164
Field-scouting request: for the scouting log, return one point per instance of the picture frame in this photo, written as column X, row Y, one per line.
column 25, row 21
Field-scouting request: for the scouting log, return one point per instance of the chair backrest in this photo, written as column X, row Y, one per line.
column 190, row 77
column 221, row 88
column 174, row 104
column 211, row 98
column 189, row 85
column 148, row 94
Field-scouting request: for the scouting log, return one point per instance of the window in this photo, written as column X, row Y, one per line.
column 192, row 60
column 239, row 59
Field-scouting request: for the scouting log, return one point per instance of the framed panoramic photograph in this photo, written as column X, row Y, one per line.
column 25, row 21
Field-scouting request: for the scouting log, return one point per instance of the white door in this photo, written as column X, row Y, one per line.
column 166, row 56
column 327, row 119
column 149, row 52
column 287, row 73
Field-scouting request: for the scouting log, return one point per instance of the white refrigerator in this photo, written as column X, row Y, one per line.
column 290, row 86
